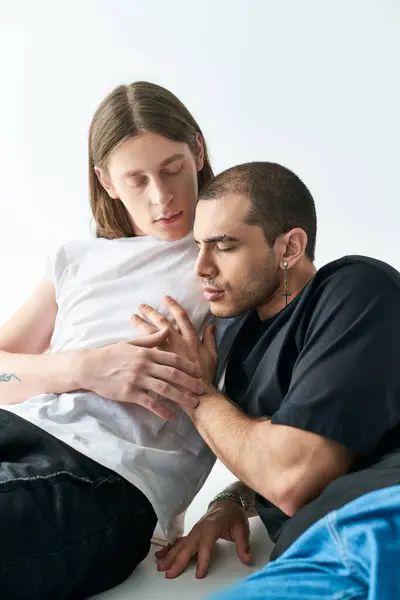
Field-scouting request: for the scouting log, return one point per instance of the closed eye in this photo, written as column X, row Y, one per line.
column 173, row 169
column 224, row 249
column 139, row 182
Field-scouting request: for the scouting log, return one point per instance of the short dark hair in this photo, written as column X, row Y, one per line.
column 280, row 200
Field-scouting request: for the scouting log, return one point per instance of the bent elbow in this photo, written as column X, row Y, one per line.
column 288, row 504
column 289, row 499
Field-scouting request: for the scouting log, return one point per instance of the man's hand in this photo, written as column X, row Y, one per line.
column 182, row 338
column 224, row 520
column 139, row 372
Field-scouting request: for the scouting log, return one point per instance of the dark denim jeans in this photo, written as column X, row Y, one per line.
column 69, row 527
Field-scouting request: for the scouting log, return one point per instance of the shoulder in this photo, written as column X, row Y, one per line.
column 356, row 274
column 350, row 290
column 68, row 254
column 76, row 249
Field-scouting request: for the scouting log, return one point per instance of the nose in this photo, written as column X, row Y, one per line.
column 159, row 193
column 205, row 266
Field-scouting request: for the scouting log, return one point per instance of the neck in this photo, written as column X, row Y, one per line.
column 297, row 279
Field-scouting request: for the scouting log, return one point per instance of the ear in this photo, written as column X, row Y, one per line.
column 105, row 181
column 291, row 246
column 199, row 151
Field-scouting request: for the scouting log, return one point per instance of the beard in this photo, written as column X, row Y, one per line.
column 260, row 285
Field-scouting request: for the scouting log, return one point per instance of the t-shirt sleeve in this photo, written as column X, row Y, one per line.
column 55, row 266
column 346, row 381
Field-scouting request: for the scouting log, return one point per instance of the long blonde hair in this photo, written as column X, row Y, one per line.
column 129, row 110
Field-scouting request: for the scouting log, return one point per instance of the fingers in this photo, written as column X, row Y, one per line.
column 169, row 359
column 152, row 340
column 209, row 339
column 161, row 357
column 154, row 316
column 203, row 560
column 168, row 556
column 181, row 318
column 160, row 554
column 241, row 537
column 175, row 560
column 155, row 406
column 166, row 390
column 142, row 326
column 177, row 378
column 178, row 558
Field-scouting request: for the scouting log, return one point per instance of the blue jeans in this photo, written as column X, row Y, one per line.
column 351, row 554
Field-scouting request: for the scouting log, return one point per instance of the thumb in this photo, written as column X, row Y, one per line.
column 151, row 340
column 209, row 339
column 162, row 553
column 241, row 537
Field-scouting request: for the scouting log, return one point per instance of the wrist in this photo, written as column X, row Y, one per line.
column 209, row 392
column 62, row 372
column 231, row 497
column 79, row 366
column 209, row 389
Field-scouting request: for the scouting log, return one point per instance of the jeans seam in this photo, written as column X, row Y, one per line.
column 341, row 549
column 96, row 483
column 337, row 540
column 347, row 595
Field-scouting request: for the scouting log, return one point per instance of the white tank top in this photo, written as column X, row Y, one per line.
column 99, row 285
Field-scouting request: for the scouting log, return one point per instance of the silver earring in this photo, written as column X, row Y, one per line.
column 286, row 294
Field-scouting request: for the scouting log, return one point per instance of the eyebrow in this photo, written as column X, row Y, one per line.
column 164, row 163
column 219, row 238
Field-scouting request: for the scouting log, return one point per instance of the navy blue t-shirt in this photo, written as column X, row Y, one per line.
column 328, row 363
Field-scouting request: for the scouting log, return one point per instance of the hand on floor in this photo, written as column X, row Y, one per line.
column 225, row 520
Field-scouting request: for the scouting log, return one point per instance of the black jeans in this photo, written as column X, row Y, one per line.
column 69, row 527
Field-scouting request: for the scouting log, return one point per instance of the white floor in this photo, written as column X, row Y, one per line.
column 147, row 583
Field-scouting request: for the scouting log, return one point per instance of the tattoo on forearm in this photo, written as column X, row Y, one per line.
column 6, row 377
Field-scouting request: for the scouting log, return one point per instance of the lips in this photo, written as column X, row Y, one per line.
column 211, row 294
column 170, row 219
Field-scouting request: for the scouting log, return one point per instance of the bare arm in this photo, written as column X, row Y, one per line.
column 124, row 372
column 286, row 465
column 25, row 370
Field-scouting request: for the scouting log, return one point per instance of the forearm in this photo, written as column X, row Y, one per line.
column 25, row 375
column 236, row 440
column 286, row 465
column 246, row 494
